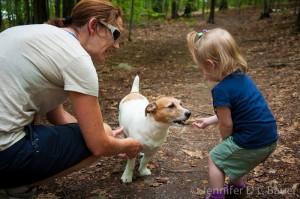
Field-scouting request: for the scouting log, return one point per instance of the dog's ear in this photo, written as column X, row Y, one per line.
column 150, row 108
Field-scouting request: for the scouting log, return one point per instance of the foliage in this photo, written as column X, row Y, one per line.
column 18, row 12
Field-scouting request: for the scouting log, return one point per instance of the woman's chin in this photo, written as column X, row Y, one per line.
column 98, row 61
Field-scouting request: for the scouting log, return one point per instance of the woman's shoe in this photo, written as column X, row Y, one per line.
column 21, row 192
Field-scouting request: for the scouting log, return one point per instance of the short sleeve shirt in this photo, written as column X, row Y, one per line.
column 254, row 125
column 39, row 64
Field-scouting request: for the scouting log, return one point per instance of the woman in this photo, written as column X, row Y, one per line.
column 41, row 66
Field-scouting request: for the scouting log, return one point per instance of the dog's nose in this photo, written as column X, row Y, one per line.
column 188, row 114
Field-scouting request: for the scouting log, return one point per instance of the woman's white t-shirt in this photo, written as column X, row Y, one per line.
column 39, row 64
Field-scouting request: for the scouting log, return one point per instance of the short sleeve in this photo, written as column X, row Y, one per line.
column 80, row 76
column 220, row 98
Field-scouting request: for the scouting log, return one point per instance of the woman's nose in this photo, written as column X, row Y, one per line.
column 116, row 45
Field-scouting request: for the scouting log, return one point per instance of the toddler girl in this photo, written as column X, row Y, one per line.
column 247, row 126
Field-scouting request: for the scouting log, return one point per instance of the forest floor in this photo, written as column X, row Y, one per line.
column 158, row 53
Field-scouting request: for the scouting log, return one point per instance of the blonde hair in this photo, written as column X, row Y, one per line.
column 84, row 10
column 218, row 46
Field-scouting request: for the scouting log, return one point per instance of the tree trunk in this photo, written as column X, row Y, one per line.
column 131, row 19
column 40, row 11
column 1, row 18
column 67, row 7
column 298, row 23
column 188, row 8
column 203, row 7
column 223, row 5
column 28, row 19
column 211, row 18
column 158, row 6
column 57, row 8
column 18, row 14
column 265, row 13
column 174, row 10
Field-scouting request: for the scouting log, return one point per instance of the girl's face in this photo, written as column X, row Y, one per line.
column 102, row 42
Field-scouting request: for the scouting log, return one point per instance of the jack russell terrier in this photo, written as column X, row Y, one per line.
column 148, row 123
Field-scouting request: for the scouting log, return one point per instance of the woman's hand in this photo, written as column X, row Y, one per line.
column 134, row 148
column 117, row 132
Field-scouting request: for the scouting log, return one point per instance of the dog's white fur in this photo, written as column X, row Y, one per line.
column 148, row 123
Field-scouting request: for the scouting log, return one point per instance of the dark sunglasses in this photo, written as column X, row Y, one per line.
column 114, row 31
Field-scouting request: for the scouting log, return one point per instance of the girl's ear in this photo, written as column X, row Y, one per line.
column 210, row 63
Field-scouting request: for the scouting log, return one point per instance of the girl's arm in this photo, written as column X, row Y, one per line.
column 225, row 121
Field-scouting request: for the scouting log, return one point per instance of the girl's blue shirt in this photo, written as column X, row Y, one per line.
column 254, row 125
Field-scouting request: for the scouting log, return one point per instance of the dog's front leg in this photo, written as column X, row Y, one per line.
column 128, row 173
column 144, row 171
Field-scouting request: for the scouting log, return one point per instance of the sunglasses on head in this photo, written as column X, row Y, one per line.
column 114, row 31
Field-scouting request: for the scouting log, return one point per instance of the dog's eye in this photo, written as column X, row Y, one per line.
column 171, row 106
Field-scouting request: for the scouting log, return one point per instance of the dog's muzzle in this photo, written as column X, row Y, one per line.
column 187, row 115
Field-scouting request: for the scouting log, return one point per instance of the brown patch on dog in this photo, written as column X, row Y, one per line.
column 167, row 110
column 133, row 96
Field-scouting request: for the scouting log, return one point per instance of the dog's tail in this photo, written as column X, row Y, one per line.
column 135, row 85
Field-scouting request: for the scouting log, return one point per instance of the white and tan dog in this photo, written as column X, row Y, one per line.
column 148, row 123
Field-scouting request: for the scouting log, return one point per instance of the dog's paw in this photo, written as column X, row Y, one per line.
column 126, row 178
column 145, row 172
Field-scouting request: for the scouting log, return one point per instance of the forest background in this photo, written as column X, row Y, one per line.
column 19, row 12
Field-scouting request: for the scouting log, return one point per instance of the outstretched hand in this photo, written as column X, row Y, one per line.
column 201, row 123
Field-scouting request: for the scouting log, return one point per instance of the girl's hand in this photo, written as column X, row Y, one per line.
column 201, row 123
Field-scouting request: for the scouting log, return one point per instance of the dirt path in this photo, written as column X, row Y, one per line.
column 159, row 55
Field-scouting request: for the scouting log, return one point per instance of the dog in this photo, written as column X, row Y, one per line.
column 148, row 123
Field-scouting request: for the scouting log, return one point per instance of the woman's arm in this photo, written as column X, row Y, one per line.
column 225, row 121
column 88, row 114
column 60, row 116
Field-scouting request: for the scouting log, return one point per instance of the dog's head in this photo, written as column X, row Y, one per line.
column 168, row 110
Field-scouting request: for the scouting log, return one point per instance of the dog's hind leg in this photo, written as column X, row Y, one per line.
column 144, row 171
column 128, row 173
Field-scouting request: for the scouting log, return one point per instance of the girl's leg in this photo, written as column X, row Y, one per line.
column 216, row 176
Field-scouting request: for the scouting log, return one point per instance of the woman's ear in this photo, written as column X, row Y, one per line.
column 92, row 25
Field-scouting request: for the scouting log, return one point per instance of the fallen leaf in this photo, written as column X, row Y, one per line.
column 295, row 186
column 197, row 154
column 155, row 184
column 162, row 179
column 288, row 159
